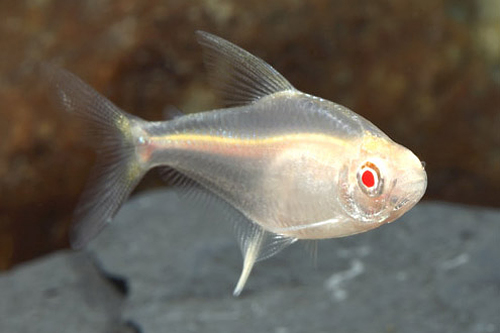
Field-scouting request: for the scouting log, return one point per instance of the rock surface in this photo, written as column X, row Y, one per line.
column 63, row 292
column 167, row 265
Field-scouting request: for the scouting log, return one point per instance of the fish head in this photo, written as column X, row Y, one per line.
column 382, row 182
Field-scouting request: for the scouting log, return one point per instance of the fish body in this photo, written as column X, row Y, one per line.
column 294, row 166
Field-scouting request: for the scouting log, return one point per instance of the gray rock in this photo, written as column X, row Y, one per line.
column 434, row 270
column 62, row 292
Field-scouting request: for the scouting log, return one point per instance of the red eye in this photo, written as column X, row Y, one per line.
column 369, row 179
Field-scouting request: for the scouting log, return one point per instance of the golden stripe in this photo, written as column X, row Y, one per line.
column 211, row 139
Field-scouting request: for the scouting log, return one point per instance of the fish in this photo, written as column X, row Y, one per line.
column 291, row 165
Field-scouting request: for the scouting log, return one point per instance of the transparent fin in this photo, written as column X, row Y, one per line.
column 175, row 178
column 190, row 190
column 251, row 244
column 256, row 244
column 238, row 76
column 311, row 247
column 116, row 171
column 171, row 112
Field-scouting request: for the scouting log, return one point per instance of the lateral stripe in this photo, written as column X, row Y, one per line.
column 190, row 139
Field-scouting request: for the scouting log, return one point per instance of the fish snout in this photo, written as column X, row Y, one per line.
column 410, row 184
column 410, row 188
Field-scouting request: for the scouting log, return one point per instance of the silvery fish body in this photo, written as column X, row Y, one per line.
column 292, row 165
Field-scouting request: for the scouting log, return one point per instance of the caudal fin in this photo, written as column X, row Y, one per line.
column 117, row 170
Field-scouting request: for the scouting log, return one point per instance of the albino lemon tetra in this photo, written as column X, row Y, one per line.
column 294, row 166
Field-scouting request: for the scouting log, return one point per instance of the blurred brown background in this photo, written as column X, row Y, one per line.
column 427, row 72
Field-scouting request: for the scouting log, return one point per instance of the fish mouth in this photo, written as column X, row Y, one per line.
column 409, row 188
column 409, row 198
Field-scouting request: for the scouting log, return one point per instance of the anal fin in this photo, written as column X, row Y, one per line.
column 256, row 244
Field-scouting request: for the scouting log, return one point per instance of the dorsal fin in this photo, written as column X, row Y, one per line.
column 238, row 76
column 171, row 112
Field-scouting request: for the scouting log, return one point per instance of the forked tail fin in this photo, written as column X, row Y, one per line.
column 117, row 170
